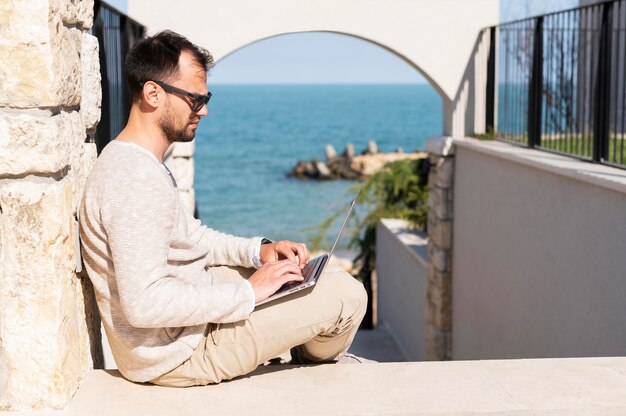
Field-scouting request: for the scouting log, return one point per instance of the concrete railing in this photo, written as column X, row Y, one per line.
column 530, row 265
column 402, row 274
column 538, row 259
column 415, row 271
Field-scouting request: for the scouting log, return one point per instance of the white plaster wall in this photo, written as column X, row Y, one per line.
column 538, row 255
column 402, row 270
column 438, row 38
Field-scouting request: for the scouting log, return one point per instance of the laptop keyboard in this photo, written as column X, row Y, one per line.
column 307, row 272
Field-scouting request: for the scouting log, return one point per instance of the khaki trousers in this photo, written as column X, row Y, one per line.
column 319, row 322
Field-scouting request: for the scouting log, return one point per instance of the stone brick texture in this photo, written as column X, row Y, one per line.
column 49, row 100
column 439, row 291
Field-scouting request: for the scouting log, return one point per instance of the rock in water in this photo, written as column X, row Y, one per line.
column 322, row 170
column 331, row 153
column 349, row 165
column 349, row 152
column 372, row 147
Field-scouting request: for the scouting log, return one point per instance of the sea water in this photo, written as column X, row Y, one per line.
column 254, row 134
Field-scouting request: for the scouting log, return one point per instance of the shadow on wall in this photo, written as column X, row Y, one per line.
column 465, row 115
column 92, row 320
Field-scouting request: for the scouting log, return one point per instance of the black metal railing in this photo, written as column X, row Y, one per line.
column 116, row 34
column 557, row 82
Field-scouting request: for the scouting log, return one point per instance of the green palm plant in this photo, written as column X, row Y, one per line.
column 398, row 190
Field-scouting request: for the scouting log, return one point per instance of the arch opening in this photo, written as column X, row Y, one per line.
column 256, row 131
column 414, row 65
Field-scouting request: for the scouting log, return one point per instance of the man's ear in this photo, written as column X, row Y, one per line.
column 152, row 94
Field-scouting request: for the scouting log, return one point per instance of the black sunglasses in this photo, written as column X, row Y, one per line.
column 198, row 100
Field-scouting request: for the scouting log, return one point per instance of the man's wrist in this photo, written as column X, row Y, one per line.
column 256, row 258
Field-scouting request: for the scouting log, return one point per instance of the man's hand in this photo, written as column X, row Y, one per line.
column 296, row 253
column 271, row 276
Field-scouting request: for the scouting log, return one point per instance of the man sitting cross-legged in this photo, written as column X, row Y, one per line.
column 177, row 299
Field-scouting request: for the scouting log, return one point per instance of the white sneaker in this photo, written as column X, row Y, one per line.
column 349, row 358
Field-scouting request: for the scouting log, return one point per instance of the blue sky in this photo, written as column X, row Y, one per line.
column 314, row 58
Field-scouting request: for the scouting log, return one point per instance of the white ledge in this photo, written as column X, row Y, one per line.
column 582, row 386
column 415, row 241
column 593, row 173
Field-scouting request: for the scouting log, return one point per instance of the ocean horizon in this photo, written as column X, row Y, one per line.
column 255, row 133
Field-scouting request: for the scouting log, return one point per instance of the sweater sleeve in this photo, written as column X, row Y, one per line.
column 139, row 220
column 224, row 249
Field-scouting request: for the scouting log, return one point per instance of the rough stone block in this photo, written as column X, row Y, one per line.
column 432, row 273
column 83, row 159
column 432, row 175
column 74, row 12
column 439, row 317
column 183, row 149
column 92, row 89
column 349, row 152
column 183, row 170
column 68, row 67
column 445, row 172
column 43, row 343
column 438, row 344
column 438, row 278
column 372, row 148
column 439, row 257
column 44, row 55
column 441, row 295
column 67, row 10
column 86, row 13
column 331, row 153
column 439, row 202
column 30, row 144
column 433, row 198
column 439, row 231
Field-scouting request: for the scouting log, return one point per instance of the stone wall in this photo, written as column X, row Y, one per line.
column 439, row 292
column 49, row 107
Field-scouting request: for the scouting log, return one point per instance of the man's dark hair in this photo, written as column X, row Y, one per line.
column 155, row 58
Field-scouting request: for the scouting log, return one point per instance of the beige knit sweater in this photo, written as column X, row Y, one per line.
column 149, row 263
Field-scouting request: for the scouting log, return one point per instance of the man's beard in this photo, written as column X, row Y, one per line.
column 174, row 134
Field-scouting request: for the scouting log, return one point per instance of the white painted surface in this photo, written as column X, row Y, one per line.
column 402, row 270
column 441, row 39
column 590, row 386
column 436, row 37
column 538, row 260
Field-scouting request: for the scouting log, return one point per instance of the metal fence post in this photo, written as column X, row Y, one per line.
column 602, row 100
column 536, row 87
column 116, row 33
column 491, row 83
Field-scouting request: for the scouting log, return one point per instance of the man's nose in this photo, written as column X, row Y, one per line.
column 203, row 111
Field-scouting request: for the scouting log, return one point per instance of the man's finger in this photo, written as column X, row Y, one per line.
column 306, row 251
column 288, row 251
column 286, row 266
column 303, row 254
column 290, row 277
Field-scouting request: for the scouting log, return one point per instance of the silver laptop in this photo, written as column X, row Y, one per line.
column 313, row 269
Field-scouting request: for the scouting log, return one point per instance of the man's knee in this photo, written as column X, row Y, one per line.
column 347, row 290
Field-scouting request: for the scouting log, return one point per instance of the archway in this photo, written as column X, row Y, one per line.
column 246, row 145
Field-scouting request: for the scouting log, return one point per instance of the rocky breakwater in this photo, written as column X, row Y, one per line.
column 348, row 165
